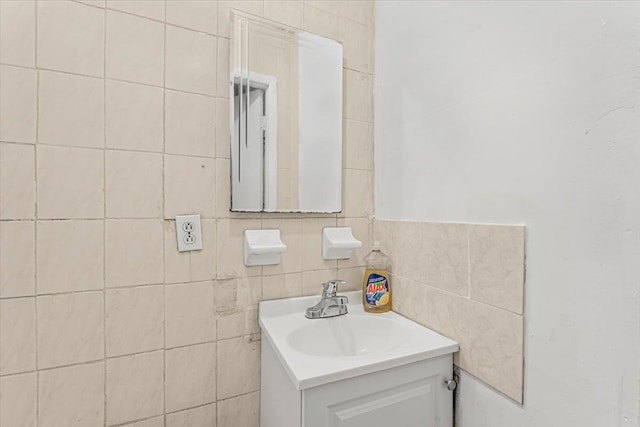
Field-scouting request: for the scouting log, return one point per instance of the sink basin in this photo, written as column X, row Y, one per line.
column 349, row 335
column 319, row 351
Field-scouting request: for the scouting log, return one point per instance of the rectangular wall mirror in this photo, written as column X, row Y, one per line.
column 286, row 118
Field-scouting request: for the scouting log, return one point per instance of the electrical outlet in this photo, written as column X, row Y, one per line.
column 188, row 233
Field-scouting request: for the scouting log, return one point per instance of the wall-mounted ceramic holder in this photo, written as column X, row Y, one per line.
column 262, row 247
column 338, row 243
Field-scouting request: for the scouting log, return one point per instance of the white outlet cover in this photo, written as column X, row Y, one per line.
column 188, row 233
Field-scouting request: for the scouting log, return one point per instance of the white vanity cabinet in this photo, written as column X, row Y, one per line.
column 406, row 396
column 354, row 370
column 412, row 395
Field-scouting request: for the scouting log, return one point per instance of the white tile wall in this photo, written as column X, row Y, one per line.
column 134, row 116
column 114, row 121
column 466, row 282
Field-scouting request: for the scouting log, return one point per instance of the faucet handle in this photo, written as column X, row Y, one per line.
column 331, row 287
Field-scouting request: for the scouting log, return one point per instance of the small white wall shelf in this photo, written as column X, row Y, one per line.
column 338, row 243
column 262, row 247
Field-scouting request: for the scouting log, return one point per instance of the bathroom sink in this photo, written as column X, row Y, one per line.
column 345, row 336
column 319, row 351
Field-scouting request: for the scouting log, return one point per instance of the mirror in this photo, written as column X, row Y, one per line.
column 286, row 118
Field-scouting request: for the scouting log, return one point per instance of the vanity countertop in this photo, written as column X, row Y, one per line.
column 319, row 351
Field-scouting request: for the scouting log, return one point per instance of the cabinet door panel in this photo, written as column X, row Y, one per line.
column 398, row 407
column 412, row 395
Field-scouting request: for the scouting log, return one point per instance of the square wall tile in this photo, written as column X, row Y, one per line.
column 232, row 325
column 134, row 184
column 190, row 314
column 190, row 376
column 238, row 366
column 70, row 256
column 406, row 249
column 153, row 9
column 240, row 411
column 18, row 33
column 17, row 181
column 17, row 335
column 445, row 260
column 285, row 12
column 432, row 253
column 135, row 320
column 17, row 259
column 357, row 10
column 72, row 397
column 18, row 397
column 357, row 147
column 70, row 183
column 238, row 294
column 18, row 103
column 357, row 96
column 203, row 263
column 223, row 138
column 291, row 234
column 196, row 15
column 135, row 48
column 190, row 124
column 312, row 244
column 189, row 186
column 191, row 61
column 71, row 110
column 134, row 116
column 223, row 85
column 409, row 301
column 135, row 387
column 357, row 193
column 70, row 329
column 177, row 265
column 230, row 243
column 134, row 252
column 204, row 416
column 496, row 255
column 320, row 22
column 71, row 37
column 357, row 40
column 282, row 286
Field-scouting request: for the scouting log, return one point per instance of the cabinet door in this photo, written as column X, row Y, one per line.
column 409, row 396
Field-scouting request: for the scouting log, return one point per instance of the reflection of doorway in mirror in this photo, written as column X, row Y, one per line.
column 254, row 174
column 276, row 54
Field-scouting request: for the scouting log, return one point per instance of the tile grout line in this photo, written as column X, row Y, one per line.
column 148, row 18
column 121, row 356
column 468, row 262
column 116, row 79
column 127, row 150
column 104, row 208
column 164, row 206
column 36, row 214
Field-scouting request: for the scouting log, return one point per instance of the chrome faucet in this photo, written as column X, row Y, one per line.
column 331, row 304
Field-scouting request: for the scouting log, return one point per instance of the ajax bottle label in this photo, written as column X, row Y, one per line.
column 377, row 290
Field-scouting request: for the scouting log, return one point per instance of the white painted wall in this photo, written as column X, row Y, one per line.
column 528, row 112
